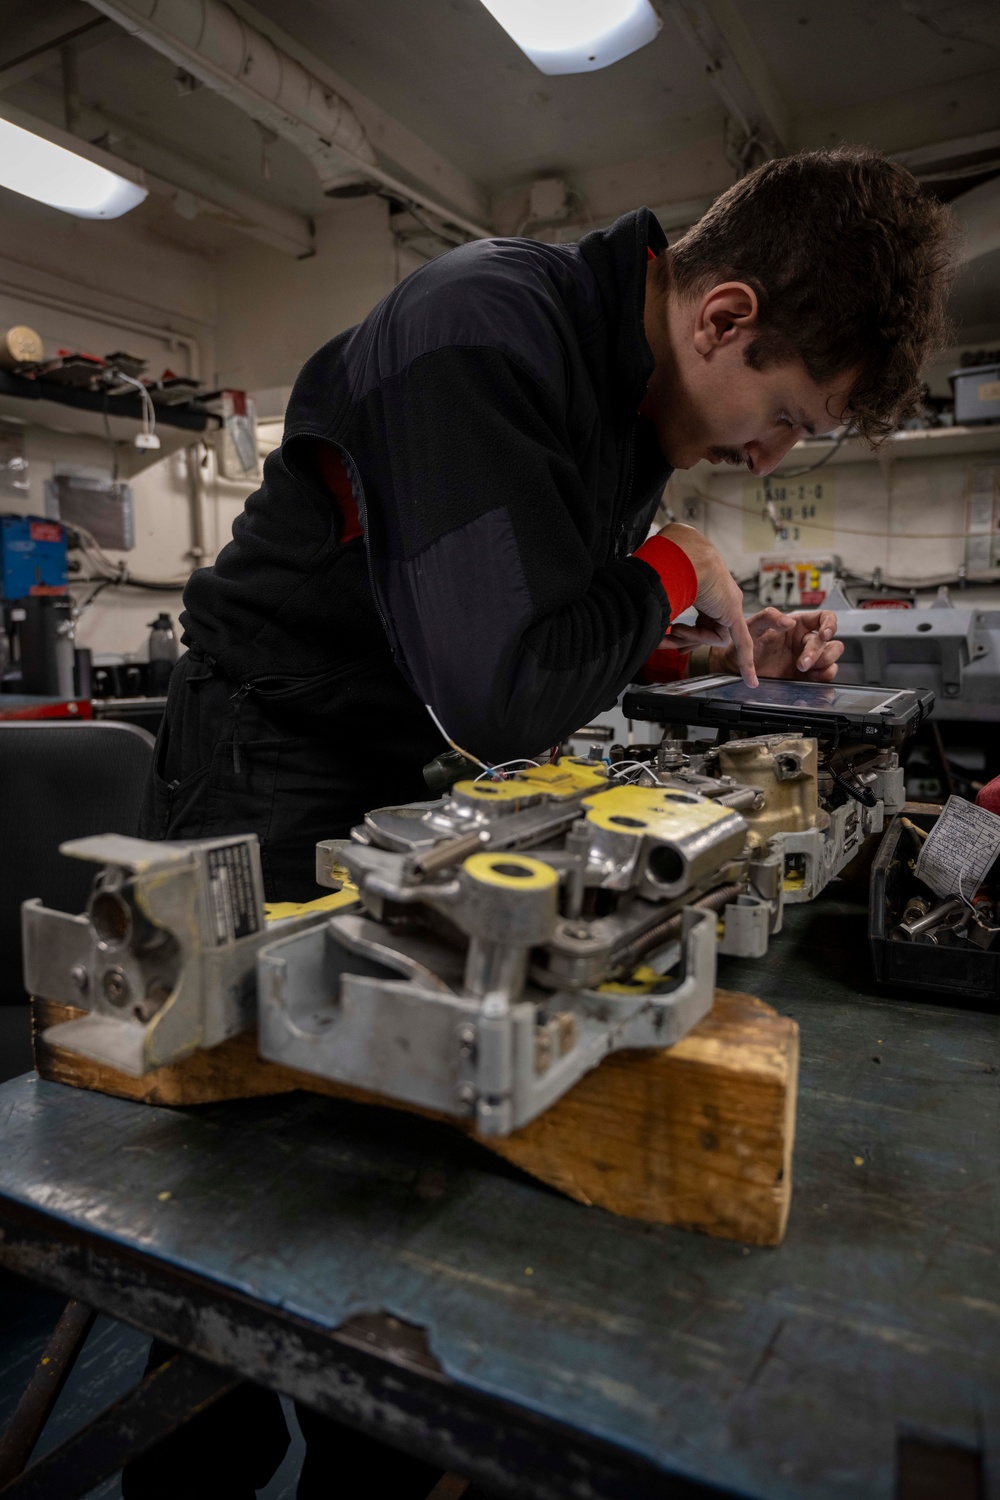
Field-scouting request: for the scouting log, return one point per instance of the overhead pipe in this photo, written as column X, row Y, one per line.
column 221, row 50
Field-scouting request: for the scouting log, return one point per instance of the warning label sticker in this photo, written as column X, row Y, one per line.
column 961, row 847
column 232, row 894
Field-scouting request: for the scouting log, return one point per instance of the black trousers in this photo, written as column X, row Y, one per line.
column 234, row 1447
column 280, row 763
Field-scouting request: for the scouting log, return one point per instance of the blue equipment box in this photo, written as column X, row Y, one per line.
column 32, row 557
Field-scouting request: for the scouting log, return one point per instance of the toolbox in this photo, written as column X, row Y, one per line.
column 960, row 972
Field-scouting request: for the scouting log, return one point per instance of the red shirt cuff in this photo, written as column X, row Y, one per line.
column 675, row 569
column 665, row 664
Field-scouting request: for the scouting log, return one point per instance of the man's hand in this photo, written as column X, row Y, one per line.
column 719, row 604
column 799, row 645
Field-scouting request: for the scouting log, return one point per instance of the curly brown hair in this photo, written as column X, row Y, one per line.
column 850, row 259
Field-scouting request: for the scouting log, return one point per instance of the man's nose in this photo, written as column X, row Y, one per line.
column 764, row 457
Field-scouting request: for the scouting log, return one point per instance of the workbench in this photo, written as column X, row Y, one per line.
column 386, row 1270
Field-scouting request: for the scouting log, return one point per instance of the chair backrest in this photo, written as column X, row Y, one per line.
column 59, row 781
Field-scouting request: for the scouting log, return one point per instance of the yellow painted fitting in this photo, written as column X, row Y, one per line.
column 276, row 911
column 652, row 811
column 510, row 790
column 496, row 869
column 641, row 981
column 566, row 778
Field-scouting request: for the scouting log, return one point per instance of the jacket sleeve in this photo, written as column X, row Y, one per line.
column 481, row 538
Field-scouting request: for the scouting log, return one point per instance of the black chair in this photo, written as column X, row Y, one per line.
column 59, row 780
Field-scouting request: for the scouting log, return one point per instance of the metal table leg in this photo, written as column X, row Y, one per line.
column 162, row 1402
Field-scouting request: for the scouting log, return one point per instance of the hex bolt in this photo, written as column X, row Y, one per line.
column 116, row 986
column 466, row 1095
column 466, row 1040
column 80, row 977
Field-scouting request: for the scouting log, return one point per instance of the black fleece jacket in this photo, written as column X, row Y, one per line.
column 487, row 414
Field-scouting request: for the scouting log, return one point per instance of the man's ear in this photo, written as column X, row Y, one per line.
column 722, row 315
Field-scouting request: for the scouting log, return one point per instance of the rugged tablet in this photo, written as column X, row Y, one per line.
column 823, row 710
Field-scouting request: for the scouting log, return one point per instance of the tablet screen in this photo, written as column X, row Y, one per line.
column 824, row 697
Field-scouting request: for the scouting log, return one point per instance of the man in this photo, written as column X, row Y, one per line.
column 453, row 530
column 451, row 540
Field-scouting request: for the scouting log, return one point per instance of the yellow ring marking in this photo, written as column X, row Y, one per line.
column 489, row 869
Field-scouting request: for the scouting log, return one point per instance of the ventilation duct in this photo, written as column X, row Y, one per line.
column 211, row 42
column 216, row 46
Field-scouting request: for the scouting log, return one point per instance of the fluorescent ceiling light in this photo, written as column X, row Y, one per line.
column 53, row 167
column 576, row 36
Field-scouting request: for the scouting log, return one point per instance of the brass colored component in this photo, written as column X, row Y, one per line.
column 785, row 768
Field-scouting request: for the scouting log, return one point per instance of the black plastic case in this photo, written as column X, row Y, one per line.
column 890, row 716
column 953, row 973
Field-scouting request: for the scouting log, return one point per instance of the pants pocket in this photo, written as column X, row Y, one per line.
column 174, row 809
column 240, row 792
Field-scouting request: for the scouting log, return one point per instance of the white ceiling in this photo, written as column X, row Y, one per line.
column 448, row 69
column 447, row 72
column 827, row 55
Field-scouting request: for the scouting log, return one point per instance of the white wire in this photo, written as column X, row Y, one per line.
column 963, row 897
column 619, row 765
column 445, row 735
column 519, row 761
column 149, row 410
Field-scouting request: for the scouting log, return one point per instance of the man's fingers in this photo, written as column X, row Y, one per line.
column 817, row 653
column 769, row 619
column 811, row 648
column 705, row 633
column 743, row 641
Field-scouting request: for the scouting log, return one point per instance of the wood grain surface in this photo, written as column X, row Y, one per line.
column 698, row 1135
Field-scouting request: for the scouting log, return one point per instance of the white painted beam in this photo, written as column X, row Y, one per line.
column 169, row 175
column 969, row 156
column 736, row 70
column 26, row 64
column 978, row 216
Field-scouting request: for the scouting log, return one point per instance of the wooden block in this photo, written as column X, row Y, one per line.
column 698, row 1135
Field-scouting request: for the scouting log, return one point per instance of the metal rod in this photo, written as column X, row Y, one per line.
column 936, row 917
column 42, row 1391
column 197, row 550
column 449, row 853
column 168, row 1397
column 670, row 928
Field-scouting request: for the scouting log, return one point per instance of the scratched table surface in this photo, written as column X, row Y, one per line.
column 776, row 1373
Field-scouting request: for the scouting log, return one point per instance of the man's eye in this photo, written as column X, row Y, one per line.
column 785, row 420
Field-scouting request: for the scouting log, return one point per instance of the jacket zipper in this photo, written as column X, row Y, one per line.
column 621, row 506
column 359, row 489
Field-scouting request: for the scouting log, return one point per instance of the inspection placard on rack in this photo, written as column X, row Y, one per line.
column 961, row 847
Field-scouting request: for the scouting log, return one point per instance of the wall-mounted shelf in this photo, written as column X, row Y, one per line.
column 60, row 408
column 930, row 442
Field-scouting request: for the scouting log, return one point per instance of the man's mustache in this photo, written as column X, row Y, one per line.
column 728, row 455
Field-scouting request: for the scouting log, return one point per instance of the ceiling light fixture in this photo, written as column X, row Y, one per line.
column 576, row 36
column 41, row 162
